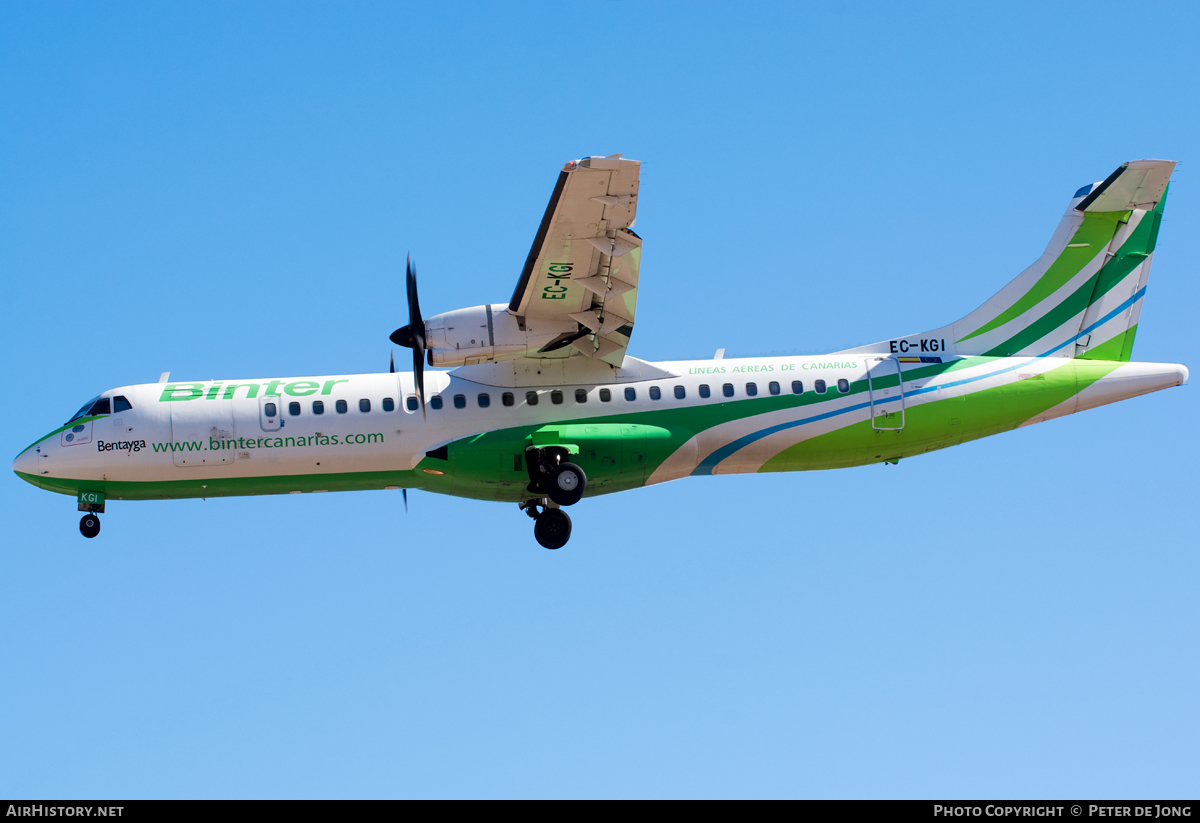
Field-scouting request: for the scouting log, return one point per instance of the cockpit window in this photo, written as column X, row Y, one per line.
column 84, row 409
column 120, row 404
column 103, row 406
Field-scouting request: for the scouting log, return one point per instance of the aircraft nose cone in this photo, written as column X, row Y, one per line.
column 26, row 462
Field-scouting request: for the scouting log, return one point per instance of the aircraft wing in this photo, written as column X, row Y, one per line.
column 583, row 265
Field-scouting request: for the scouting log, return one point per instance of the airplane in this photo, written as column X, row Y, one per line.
column 543, row 406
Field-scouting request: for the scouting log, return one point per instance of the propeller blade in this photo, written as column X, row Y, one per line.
column 404, row 492
column 392, row 364
column 416, row 330
column 415, row 321
column 419, row 378
column 412, row 336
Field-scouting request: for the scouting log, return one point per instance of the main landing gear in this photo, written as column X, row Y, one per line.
column 551, row 525
column 563, row 483
column 89, row 525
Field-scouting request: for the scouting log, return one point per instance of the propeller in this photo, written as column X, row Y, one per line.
column 404, row 492
column 412, row 336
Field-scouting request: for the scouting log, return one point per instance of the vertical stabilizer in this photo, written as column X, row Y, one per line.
column 1083, row 296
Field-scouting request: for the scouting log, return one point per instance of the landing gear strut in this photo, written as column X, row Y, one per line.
column 551, row 526
column 558, row 482
column 89, row 525
column 551, row 474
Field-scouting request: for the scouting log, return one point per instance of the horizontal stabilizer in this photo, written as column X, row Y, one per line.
column 1138, row 184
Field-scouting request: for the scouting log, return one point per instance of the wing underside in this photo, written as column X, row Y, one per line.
column 582, row 269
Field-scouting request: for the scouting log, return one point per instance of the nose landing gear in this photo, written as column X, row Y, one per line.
column 551, row 525
column 89, row 525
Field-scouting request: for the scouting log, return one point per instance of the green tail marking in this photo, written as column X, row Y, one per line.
column 1097, row 231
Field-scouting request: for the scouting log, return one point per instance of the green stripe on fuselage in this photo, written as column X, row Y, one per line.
column 941, row 423
column 224, row 486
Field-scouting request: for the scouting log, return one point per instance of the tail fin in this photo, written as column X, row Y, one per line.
column 1083, row 296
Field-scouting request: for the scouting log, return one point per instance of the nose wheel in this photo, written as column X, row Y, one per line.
column 551, row 525
column 89, row 525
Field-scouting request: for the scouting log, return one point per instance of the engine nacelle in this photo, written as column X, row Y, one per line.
column 486, row 333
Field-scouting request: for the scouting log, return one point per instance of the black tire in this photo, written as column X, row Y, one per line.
column 566, row 484
column 89, row 525
column 552, row 529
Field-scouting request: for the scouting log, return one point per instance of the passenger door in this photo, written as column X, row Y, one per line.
column 885, row 384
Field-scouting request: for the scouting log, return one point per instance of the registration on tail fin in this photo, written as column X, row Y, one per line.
column 1083, row 296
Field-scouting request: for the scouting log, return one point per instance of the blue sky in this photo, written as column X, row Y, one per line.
column 226, row 190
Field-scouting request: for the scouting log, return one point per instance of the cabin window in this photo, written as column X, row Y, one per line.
column 556, row 397
column 340, row 405
column 318, row 407
column 631, row 393
column 605, row 395
column 389, row 404
column 655, row 394
column 843, row 385
column 819, row 386
column 680, row 392
column 507, row 398
column 120, row 404
column 412, row 403
column 269, row 409
column 364, row 405
column 727, row 390
column 751, row 389
column 101, row 406
column 581, row 395
column 485, row 400
column 705, row 391
column 294, row 409
column 797, row 387
column 773, row 387
column 435, row 402
column 531, row 398
column 460, row 401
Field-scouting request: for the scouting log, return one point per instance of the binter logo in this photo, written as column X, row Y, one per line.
column 221, row 390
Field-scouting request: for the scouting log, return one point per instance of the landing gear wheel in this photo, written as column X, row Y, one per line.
column 89, row 525
column 566, row 484
column 552, row 529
